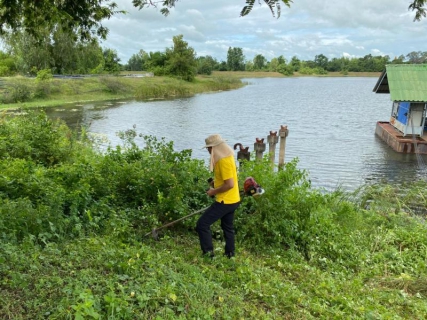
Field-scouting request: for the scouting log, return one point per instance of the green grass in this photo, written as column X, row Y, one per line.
column 58, row 92
column 170, row 280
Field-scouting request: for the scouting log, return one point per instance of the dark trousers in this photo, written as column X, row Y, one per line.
column 217, row 211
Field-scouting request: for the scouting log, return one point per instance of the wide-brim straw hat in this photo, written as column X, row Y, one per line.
column 213, row 141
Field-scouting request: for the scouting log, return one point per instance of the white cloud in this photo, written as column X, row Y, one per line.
column 308, row 28
column 347, row 55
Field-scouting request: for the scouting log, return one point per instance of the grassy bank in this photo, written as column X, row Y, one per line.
column 21, row 92
column 102, row 278
column 73, row 223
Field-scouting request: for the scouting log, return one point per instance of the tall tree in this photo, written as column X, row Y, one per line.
column 205, row 65
column 58, row 51
column 249, row 65
column 398, row 60
column 235, row 59
column 281, row 59
column 136, row 61
column 222, row 66
column 7, row 64
column 111, row 61
column 90, row 58
column 83, row 16
column 274, row 63
column 31, row 54
column 417, row 57
column 321, row 61
column 295, row 63
column 259, row 62
column 337, row 64
column 181, row 59
column 156, row 62
column 64, row 53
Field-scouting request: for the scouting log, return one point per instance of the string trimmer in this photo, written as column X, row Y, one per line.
column 154, row 233
column 251, row 188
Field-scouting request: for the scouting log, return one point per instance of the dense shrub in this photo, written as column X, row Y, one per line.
column 36, row 137
column 43, row 83
column 42, row 89
column 17, row 90
column 113, row 84
column 44, row 75
column 310, row 71
column 48, row 168
column 72, row 221
column 330, row 229
column 286, row 70
column 4, row 71
column 282, row 216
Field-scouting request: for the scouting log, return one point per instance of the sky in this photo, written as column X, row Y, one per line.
column 335, row 28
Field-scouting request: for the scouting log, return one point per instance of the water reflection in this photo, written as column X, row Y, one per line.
column 331, row 125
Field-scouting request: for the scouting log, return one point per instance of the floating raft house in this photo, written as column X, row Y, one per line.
column 406, row 131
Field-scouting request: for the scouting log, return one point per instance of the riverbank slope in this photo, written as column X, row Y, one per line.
column 76, row 238
column 22, row 92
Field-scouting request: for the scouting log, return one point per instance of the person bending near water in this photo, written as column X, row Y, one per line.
column 225, row 189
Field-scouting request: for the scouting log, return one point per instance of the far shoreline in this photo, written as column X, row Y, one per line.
column 266, row 74
column 110, row 88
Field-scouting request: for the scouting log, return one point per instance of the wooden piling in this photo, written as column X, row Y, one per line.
column 259, row 147
column 242, row 155
column 283, row 133
column 272, row 139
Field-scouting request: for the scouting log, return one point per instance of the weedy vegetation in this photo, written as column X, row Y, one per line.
column 73, row 219
column 44, row 90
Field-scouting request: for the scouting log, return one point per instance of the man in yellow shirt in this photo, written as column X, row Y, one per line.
column 225, row 189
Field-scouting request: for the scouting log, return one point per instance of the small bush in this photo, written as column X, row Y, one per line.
column 34, row 136
column 42, row 90
column 4, row 71
column 17, row 91
column 114, row 85
column 44, row 75
column 43, row 83
column 159, row 71
column 286, row 70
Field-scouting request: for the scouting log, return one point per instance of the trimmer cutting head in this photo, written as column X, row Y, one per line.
column 252, row 188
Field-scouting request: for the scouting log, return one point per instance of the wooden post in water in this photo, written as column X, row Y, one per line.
column 272, row 139
column 242, row 155
column 259, row 147
column 283, row 133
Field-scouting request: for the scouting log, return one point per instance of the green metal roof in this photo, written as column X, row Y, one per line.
column 404, row 82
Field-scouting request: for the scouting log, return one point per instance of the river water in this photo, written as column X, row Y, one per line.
column 331, row 124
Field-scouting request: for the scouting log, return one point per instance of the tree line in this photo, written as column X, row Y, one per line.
column 236, row 61
column 63, row 52
column 63, row 38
